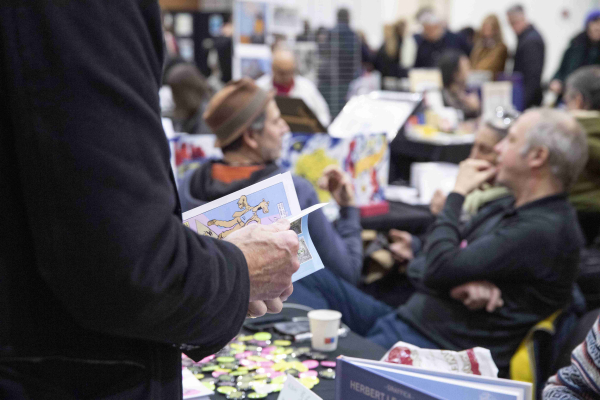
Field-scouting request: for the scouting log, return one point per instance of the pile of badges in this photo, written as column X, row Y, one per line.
column 254, row 366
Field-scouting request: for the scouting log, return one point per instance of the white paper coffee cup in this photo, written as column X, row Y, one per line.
column 324, row 327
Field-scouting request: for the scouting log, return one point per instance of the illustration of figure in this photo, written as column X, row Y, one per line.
column 241, row 218
column 204, row 230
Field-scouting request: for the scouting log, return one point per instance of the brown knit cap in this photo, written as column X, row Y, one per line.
column 231, row 111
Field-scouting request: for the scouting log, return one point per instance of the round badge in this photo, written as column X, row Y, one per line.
column 257, row 359
column 309, row 374
column 238, row 346
column 299, row 367
column 327, row 374
column 255, row 395
column 293, row 372
column 262, row 336
column 245, row 379
column 310, row 380
column 226, row 360
column 245, row 338
column 226, row 389
column 239, row 373
column 328, row 364
column 318, row 356
column 311, row 364
column 209, row 386
column 210, row 368
column 225, row 378
column 199, row 376
column 236, row 395
column 261, row 377
column 229, row 366
column 208, row 380
column 279, row 380
column 282, row 343
column 245, row 386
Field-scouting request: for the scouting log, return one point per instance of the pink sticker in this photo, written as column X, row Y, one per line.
column 277, row 374
column 311, row 364
column 243, row 355
column 217, row 374
column 309, row 374
column 207, row 359
column 328, row 364
column 267, row 371
column 266, row 364
column 269, row 349
column 464, row 244
column 247, row 363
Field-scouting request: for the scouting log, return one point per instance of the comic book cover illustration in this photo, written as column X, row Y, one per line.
column 365, row 158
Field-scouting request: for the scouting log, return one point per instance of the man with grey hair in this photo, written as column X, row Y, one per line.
column 529, row 55
column 527, row 246
column 436, row 39
column 582, row 97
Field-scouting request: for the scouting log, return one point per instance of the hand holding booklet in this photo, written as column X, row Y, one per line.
column 263, row 203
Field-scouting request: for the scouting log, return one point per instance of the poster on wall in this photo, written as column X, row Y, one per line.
column 365, row 158
column 252, row 61
column 250, row 22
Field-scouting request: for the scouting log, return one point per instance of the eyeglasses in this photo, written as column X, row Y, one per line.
column 503, row 119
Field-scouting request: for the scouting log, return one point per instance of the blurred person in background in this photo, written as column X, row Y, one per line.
column 250, row 131
column 455, row 67
column 435, row 40
column 490, row 52
column 524, row 248
column 340, row 62
column 388, row 59
column 582, row 97
column 286, row 82
column 191, row 94
column 307, row 34
column 583, row 50
column 529, row 55
column 491, row 131
column 468, row 34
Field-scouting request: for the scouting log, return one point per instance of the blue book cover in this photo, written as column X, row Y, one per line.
column 357, row 381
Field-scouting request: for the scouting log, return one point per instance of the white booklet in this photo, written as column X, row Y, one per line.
column 192, row 388
column 263, row 203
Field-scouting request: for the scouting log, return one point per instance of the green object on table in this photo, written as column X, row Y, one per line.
column 262, row 336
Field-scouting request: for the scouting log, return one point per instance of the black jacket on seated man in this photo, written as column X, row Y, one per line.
column 99, row 280
column 531, row 253
column 429, row 53
column 529, row 61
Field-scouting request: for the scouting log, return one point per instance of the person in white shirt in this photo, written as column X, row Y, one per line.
column 286, row 82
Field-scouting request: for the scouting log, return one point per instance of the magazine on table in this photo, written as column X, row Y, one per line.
column 359, row 379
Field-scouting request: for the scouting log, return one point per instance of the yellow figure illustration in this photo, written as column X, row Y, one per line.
column 241, row 218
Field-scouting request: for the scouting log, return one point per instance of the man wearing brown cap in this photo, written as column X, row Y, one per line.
column 101, row 285
column 249, row 130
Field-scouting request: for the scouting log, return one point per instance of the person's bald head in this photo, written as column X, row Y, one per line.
column 284, row 67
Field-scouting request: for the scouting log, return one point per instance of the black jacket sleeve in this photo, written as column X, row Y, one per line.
column 495, row 257
column 533, row 66
column 94, row 168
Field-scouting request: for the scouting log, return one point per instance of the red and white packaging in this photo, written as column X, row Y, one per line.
column 476, row 361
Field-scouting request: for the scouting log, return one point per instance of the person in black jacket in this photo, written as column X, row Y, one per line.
column 436, row 40
column 583, row 50
column 529, row 56
column 101, row 285
column 527, row 246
